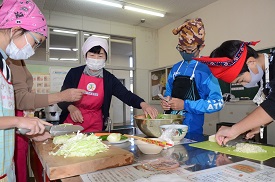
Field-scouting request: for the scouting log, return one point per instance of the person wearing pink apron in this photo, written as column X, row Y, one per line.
column 92, row 110
column 27, row 100
column 22, row 29
column 90, row 104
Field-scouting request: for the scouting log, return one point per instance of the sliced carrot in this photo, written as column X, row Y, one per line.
column 101, row 134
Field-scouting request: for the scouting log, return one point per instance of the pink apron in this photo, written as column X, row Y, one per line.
column 90, row 104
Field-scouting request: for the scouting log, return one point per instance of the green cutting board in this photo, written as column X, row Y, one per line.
column 213, row 146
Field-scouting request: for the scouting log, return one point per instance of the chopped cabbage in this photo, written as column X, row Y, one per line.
column 58, row 140
column 249, row 148
column 81, row 145
column 114, row 137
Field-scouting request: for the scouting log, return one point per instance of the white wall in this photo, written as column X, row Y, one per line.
column 235, row 19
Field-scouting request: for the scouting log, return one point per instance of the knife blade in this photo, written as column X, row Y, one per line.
column 162, row 98
column 56, row 130
column 234, row 142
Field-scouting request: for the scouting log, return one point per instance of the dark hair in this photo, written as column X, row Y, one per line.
column 21, row 31
column 229, row 49
column 96, row 50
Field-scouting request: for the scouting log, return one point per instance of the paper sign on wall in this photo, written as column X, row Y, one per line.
column 57, row 78
column 41, row 83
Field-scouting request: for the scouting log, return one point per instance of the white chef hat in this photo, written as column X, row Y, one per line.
column 92, row 42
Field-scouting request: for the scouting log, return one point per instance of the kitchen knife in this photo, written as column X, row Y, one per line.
column 162, row 98
column 234, row 142
column 57, row 130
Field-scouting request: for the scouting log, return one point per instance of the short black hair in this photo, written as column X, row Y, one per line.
column 96, row 50
column 229, row 49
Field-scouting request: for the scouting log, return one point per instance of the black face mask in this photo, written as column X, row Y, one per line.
column 187, row 56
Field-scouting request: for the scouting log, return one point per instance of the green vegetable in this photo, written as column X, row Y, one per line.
column 123, row 137
column 81, row 146
column 104, row 137
column 159, row 116
column 148, row 116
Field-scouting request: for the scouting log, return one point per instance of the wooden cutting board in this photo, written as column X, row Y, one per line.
column 213, row 146
column 58, row 167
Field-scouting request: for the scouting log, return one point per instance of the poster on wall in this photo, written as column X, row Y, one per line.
column 158, row 82
column 57, row 76
column 41, row 83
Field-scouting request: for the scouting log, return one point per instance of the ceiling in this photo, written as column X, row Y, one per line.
column 175, row 10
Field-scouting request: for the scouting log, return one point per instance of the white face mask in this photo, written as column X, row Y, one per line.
column 15, row 53
column 95, row 64
column 255, row 78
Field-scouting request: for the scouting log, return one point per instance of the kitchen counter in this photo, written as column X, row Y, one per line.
column 199, row 159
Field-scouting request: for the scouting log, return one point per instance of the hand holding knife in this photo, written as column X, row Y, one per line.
column 163, row 98
column 57, row 130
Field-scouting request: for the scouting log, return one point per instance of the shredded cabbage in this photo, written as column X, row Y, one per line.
column 81, row 146
column 58, row 140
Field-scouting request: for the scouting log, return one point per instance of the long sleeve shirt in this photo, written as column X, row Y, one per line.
column 22, row 81
column 208, row 88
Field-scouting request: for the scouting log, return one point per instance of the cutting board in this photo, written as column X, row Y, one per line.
column 58, row 167
column 213, row 146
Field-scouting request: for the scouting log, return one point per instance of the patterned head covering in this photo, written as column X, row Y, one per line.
column 225, row 68
column 24, row 14
column 191, row 33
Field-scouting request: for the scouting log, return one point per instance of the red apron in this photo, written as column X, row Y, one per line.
column 20, row 154
column 90, row 104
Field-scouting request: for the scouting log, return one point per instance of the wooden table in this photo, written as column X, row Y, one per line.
column 189, row 155
column 58, row 167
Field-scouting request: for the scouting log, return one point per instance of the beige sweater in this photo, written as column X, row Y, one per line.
column 22, row 81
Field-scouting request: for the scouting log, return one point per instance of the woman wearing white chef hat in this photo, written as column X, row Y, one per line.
column 100, row 85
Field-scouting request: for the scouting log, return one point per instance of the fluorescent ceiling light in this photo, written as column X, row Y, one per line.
column 149, row 12
column 54, row 59
column 75, row 49
column 101, row 36
column 108, row 3
column 64, row 31
column 68, row 59
column 130, row 6
column 60, row 48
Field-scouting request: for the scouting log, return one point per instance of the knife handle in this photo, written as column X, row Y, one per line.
column 23, row 131
column 262, row 132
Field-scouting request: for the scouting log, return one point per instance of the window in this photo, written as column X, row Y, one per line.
column 63, row 45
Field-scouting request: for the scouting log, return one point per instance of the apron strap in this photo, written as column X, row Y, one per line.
column 193, row 73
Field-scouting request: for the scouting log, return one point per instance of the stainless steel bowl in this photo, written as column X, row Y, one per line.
column 151, row 127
